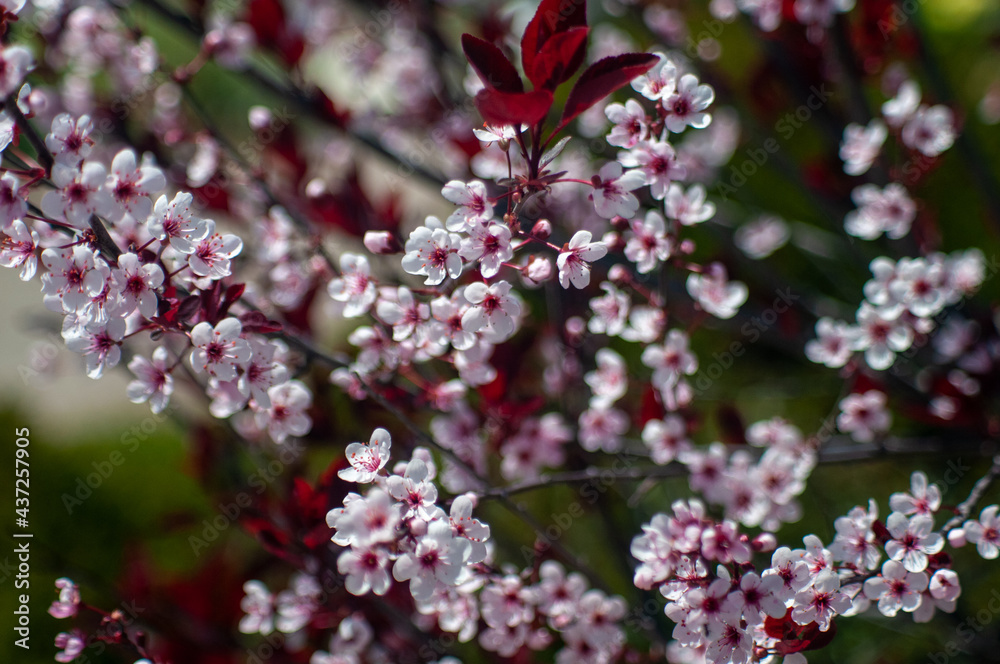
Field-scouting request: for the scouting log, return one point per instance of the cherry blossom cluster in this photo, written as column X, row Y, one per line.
column 902, row 300
column 592, row 271
column 112, row 628
column 446, row 560
column 172, row 264
column 741, row 612
column 924, row 131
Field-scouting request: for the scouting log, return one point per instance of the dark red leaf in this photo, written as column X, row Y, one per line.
column 255, row 321
column 513, row 108
column 188, row 307
column 559, row 58
column 551, row 18
column 601, row 79
column 493, row 67
column 233, row 293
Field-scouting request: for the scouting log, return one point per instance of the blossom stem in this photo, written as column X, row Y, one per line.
column 44, row 157
column 963, row 511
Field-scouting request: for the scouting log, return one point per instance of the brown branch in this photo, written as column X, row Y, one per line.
column 44, row 157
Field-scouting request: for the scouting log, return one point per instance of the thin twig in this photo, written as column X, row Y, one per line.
column 44, row 157
column 963, row 511
column 845, row 451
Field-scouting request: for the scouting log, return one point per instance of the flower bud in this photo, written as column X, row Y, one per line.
column 381, row 242
column 687, row 247
column 260, row 118
column 575, row 327
column 764, row 542
column 538, row 270
column 542, row 229
column 956, row 538
column 618, row 274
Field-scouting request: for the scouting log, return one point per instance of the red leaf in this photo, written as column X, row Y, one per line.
column 601, row 79
column 551, row 18
column 559, row 58
column 493, row 67
column 513, row 108
column 255, row 321
column 233, row 293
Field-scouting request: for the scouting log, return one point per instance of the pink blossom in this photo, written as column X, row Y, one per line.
column 611, row 195
column 69, row 141
column 574, row 260
column 666, row 439
column 494, row 308
column 99, row 343
column 12, row 203
column 896, row 589
column 474, row 206
column 715, row 294
column 438, row 557
column 365, row 568
column 257, row 605
column 18, row 249
column 861, row 146
column 654, row 160
column 213, row 254
column 685, row 105
column 490, row 245
column 630, row 124
column 367, row 459
column 355, row 287
column 433, row 253
column 864, row 415
column 72, row 279
column 69, row 599
column 219, row 351
column 286, row 416
column 985, row 532
column 172, row 223
column 153, row 381
column 912, row 540
column 71, row 644
column 820, row 602
column 15, row 63
column 131, row 187
column 689, row 208
column 930, row 131
column 648, row 244
column 923, row 498
column 138, row 284
column 79, row 194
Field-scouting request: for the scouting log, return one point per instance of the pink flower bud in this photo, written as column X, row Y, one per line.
column 956, row 538
column 575, row 328
column 259, row 117
column 618, row 274
column 542, row 229
column 687, row 247
column 381, row 242
column 538, row 270
column 764, row 542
